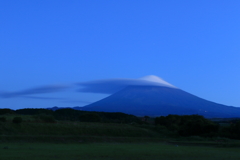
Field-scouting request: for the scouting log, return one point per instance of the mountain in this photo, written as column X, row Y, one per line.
column 57, row 108
column 161, row 101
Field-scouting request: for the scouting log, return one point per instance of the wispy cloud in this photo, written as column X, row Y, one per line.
column 44, row 98
column 109, row 86
column 106, row 86
column 37, row 90
column 76, row 101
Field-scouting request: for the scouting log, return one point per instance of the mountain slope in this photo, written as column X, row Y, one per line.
column 160, row 100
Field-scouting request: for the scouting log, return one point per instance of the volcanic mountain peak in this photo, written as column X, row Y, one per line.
column 157, row 81
column 161, row 101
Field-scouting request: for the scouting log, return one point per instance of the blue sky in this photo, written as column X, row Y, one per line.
column 50, row 46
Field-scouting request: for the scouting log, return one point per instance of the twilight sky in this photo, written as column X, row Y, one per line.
column 48, row 48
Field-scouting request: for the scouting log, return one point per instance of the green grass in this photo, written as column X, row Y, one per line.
column 65, row 140
column 75, row 131
column 116, row 151
column 9, row 117
column 75, row 128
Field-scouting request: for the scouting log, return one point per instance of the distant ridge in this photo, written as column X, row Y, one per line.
column 57, row 108
column 161, row 101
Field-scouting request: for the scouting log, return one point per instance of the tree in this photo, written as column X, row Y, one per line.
column 160, row 121
column 6, row 111
column 188, row 125
column 3, row 119
column 146, row 118
column 90, row 117
column 17, row 120
column 47, row 118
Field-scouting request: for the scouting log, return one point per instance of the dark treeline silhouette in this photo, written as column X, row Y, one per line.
column 6, row 111
column 74, row 115
column 188, row 125
column 196, row 125
column 184, row 125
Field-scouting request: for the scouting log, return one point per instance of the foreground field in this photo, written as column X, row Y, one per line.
column 116, row 151
column 38, row 138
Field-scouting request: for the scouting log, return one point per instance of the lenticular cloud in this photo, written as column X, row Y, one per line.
column 109, row 86
column 38, row 90
column 106, row 86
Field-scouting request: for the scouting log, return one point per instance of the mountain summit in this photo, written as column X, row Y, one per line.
column 159, row 98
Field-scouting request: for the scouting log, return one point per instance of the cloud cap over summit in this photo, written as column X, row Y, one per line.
column 109, row 86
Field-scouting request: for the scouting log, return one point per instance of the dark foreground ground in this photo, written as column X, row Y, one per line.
column 116, row 151
column 35, row 139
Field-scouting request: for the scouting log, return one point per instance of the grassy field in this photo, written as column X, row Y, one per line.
column 58, row 129
column 116, row 151
column 73, row 140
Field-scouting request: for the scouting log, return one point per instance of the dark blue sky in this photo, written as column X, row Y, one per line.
column 46, row 47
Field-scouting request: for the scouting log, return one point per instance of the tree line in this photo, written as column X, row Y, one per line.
column 196, row 125
column 69, row 114
column 184, row 125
